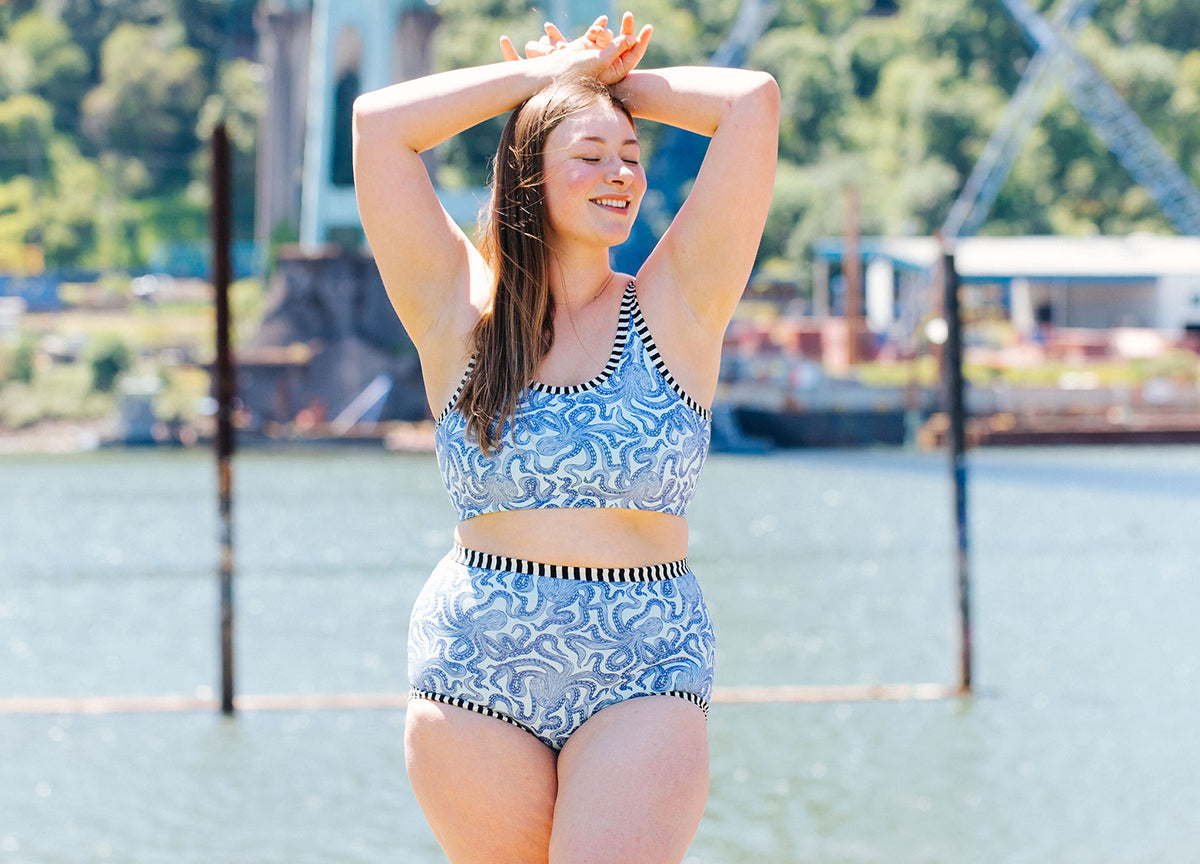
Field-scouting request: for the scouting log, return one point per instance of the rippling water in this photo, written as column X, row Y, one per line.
column 820, row 568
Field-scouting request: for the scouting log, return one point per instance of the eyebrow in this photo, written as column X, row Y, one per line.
column 601, row 140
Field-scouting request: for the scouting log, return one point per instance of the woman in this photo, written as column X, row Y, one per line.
column 561, row 654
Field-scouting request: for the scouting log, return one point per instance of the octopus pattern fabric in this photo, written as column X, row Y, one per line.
column 630, row 437
column 547, row 652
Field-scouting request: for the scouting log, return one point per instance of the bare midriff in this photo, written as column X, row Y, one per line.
column 581, row 537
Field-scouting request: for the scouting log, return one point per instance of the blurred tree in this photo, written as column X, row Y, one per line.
column 108, row 357
column 18, row 218
column 238, row 102
column 23, row 359
column 869, row 45
column 91, row 21
column 814, row 86
column 72, row 207
column 40, row 57
column 1184, row 111
column 1173, row 24
column 26, row 126
column 468, row 35
column 979, row 35
column 146, row 103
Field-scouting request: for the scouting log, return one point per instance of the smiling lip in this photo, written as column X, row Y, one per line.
column 620, row 204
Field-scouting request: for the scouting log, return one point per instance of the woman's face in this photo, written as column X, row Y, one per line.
column 593, row 180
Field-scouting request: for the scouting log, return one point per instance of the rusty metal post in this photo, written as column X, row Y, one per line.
column 851, row 273
column 222, row 216
column 957, row 440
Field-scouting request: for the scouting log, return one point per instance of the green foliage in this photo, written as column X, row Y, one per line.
column 19, row 360
column 468, row 35
column 60, row 392
column 25, row 129
column 106, row 107
column 145, row 106
column 238, row 103
column 41, row 57
column 814, row 86
column 108, row 357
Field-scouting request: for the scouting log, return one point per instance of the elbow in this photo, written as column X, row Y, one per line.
column 380, row 122
column 360, row 112
column 758, row 102
column 765, row 93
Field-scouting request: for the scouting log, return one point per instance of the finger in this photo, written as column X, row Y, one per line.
column 537, row 49
column 627, row 24
column 614, row 49
column 507, row 51
column 638, row 51
column 643, row 38
column 634, row 49
column 600, row 38
column 554, row 33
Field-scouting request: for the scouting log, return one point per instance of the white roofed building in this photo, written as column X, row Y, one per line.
column 1138, row 280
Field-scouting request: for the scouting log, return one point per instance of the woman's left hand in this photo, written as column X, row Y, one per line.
column 598, row 36
column 626, row 50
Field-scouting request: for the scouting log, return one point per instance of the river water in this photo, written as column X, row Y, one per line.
column 821, row 567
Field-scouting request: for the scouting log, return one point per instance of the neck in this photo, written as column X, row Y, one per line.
column 577, row 280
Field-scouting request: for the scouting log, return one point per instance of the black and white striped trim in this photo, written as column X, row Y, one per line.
column 631, row 317
column 470, row 705
column 648, row 573
column 643, row 331
column 628, row 302
column 462, row 383
column 699, row 702
column 459, row 702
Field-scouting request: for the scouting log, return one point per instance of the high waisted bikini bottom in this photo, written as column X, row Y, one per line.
column 544, row 647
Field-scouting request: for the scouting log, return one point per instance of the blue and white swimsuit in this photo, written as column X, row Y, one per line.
column 546, row 646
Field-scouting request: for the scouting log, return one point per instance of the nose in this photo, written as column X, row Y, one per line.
column 620, row 175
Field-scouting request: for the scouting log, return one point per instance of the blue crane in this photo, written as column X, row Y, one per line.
column 1057, row 59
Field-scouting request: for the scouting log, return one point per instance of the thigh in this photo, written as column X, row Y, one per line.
column 486, row 787
column 632, row 783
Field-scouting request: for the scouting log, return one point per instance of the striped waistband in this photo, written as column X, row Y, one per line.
column 648, row 573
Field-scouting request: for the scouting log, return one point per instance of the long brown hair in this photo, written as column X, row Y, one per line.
column 515, row 334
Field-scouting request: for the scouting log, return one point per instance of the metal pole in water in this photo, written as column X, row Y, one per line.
column 851, row 273
column 958, row 462
column 225, row 391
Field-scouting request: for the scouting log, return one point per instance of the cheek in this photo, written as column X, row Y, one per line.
column 639, row 181
column 566, row 188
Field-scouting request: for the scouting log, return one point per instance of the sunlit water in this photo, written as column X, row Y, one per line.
column 820, row 568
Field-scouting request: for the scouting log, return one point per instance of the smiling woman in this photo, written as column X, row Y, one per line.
column 590, row 166
column 561, row 655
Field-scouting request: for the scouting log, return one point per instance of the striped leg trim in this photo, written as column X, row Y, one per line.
column 698, row 701
column 459, row 702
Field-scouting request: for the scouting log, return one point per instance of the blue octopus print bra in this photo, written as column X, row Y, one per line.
column 629, row 438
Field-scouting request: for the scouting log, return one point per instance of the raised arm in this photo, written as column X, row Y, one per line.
column 434, row 277
column 427, row 263
column 709, row 249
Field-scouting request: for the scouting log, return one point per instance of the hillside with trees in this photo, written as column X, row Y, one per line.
column 105, row 108
column 902, row 106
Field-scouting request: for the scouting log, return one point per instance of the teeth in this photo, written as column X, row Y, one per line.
column 612, row 202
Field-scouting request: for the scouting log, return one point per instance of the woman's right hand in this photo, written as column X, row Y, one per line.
column 611, row 57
